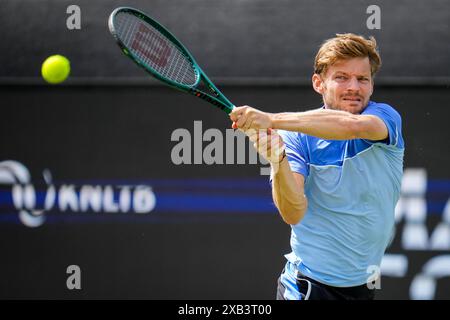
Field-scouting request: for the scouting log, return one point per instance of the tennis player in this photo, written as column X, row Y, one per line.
column 337, row 179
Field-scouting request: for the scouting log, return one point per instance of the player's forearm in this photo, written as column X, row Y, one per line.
column 323, row 123
column 288, row 197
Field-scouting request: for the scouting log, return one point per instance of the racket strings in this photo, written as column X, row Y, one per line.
column 154, row 49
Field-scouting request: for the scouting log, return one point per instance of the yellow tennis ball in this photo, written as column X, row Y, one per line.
column 55, row 69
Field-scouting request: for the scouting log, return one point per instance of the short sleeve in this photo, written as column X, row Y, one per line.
column 295, row 152
column 391, row 119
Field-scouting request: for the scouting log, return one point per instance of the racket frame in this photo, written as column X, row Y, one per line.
column 217, row 98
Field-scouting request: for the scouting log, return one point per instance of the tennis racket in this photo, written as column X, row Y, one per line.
column 154, row 48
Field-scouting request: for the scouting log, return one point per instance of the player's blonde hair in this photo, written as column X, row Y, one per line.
column 347, row 46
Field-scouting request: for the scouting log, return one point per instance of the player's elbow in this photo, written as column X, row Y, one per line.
column 295, row 214
column 292, row 219
column 363, row 127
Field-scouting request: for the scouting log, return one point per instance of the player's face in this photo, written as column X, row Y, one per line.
column 347, row 85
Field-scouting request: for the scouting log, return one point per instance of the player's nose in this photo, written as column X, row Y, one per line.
column 353, row 84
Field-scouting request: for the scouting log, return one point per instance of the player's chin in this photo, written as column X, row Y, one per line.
column 352, row 106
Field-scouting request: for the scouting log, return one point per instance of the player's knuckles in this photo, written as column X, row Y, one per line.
column 240, row 122
column 250, row 113
column 237, row 113
column 256, row 123
column 234, row 114
column 239, row 109
column 243, row 110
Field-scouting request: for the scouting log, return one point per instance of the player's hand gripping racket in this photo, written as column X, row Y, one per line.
column 155, row 49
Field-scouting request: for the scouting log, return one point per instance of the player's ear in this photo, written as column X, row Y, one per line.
column 317, row 83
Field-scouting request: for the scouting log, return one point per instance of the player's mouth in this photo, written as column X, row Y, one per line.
column 352, row 99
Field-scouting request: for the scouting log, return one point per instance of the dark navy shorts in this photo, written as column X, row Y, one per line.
column 304, row 288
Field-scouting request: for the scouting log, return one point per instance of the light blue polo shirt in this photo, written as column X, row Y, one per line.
column 352, row 188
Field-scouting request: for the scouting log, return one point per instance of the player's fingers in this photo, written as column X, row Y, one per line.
column 241, row 121
column 261, row 148
column 269, row 144
column 248, row 124
column 275, row 140
column 261, row 135
column 275, row 146
column 252, row 134
column 234, row 114
column 279, row 141
column 263, row 143
column 278, row 147
column 274, row 134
